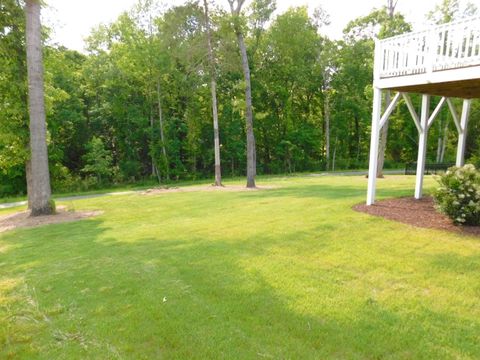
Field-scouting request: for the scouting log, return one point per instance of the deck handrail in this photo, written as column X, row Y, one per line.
column 443, row 47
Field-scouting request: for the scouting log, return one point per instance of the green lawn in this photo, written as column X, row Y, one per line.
column 288, row 273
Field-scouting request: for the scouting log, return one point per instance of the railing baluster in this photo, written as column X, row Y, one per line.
column 444, row 47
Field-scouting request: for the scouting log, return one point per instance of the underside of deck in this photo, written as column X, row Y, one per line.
column 464, row 89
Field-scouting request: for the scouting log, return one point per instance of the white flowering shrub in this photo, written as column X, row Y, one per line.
column 458, row 196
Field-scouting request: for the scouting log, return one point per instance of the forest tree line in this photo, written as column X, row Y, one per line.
column 138, row 103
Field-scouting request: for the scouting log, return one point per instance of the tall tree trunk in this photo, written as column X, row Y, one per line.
column 213, row 87
column 162, row 134
column 382, row 145
column 327, row 133
column 334, row 153
column 39, row 196
column 444, row 142
column 439, row 140
column 155, row 171
column 152, row 157
column 439, row 149
column 251, row 151
column 28, row 173
column 357, row 136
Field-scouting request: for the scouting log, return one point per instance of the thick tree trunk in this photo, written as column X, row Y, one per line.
column 40, row 191
column 28, row 173
column 251, row 152
column 382, row 145
column 213, row 88
column 162, row 133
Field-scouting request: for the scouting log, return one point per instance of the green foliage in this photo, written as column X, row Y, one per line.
column 458, row 196
column 98, row 160
column 13, row 98
column 148, row 70
column 451, row 10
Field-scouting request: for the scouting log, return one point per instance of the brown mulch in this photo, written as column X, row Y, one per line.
column 419, row 213
column 165, row 190
column 22, row 219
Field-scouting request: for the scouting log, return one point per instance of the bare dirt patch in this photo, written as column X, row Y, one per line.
column 419, row 213
column 165, row 190
column 22, row 219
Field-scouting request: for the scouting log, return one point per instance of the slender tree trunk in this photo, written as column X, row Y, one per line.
column 155, row 172
column 382, row 145
column 151, row 141
column 444, row 142
column 213, row 87
column 40, row 190
column 357, row 135
column 439, row 149
column 439, row 140
column 334, row 153
column 251, row 152
column 162, row 134
column 327, row 133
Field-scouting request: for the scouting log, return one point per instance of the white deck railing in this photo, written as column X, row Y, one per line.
column 443, row 47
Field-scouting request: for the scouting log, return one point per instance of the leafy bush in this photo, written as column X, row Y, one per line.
column 458, row 196
column 63, row 180
column 98, row 160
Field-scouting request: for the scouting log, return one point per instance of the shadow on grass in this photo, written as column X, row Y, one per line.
column 456, row 263
column 188, row 296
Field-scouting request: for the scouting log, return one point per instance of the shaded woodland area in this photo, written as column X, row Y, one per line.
column 138, row 103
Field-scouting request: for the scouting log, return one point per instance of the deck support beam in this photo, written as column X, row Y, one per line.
column 389, row 109
column 422, row 146
column 462, row 133
column 410, row 107
column 436, row 111
column 374, row 142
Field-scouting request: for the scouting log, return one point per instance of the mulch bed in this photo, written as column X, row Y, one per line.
column 419, row 213
column 22, row 219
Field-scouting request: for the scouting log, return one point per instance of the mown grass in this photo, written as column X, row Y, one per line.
column 291, row 272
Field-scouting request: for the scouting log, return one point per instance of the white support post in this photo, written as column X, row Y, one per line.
column 375, row 137
column 462, row 135
column 422, row 146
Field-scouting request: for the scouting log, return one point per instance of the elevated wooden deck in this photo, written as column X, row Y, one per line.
column 444, row 61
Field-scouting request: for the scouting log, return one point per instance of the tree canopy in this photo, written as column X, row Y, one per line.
column 139, row 98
